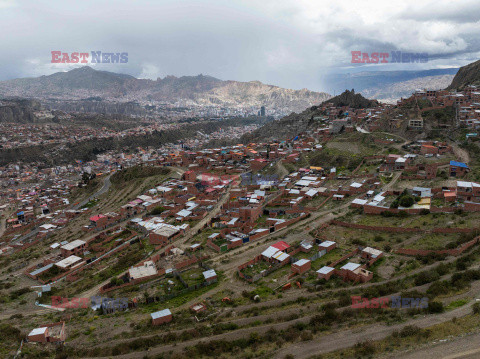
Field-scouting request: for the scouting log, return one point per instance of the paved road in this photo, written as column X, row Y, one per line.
column 104, row 189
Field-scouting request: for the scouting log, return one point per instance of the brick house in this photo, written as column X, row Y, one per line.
column 325, row 272
column 429, row 149
column 355, row 272
column 371, row 253
column 327, row 245
column 73, row 248
column 301, row 266
column 50, row 333
column 250, row 213
column 458, row 169
column 161, row 317
column 189, row 176
column 163, row 234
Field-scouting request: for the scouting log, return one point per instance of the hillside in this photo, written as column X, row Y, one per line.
column 352, row 99
column 19, row 110
column 85, row 82
column 467, row 75
column 296, row 123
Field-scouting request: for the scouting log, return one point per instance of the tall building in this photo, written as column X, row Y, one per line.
column 262, row 111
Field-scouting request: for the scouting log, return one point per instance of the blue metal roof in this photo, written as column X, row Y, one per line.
column 458, row 164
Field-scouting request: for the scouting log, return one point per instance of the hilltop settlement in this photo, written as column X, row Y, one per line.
column 260, row 238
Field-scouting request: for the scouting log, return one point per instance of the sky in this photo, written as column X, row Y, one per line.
column 289, row 43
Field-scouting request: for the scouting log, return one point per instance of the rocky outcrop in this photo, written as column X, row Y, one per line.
column 467, row 75
column 18, row 110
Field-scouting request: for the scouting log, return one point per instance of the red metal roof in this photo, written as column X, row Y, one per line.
column 97, row 217
column 281, row 245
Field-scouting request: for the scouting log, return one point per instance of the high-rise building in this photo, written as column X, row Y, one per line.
column 262, row 111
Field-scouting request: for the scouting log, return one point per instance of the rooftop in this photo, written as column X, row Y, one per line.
column 147, row 269
column 209, row 274
column 325, row 270
column 301, row 262
column 350, row 266
column 161, row 314
column 72, row 245
column 69, row 261
column 38, row 331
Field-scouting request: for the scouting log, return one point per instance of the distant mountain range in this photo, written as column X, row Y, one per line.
column 85, row 89
column 86, row 83
column 390, row 86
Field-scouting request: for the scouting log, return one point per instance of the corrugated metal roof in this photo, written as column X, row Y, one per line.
column 161, row 314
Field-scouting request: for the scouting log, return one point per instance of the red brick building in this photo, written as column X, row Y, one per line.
column 250, row 213
column 49, row 333
column 73, row 248
column 161, row 317
column 325, row 272
column 301, row 266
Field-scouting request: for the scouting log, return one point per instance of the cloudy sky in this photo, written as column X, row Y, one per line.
column 290, row 43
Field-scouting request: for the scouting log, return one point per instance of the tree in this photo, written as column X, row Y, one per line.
column 406, row 201
column 85, row 177
column 157, row 210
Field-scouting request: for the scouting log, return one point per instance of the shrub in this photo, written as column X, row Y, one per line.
column 409, row 331
column 426, row 277
column 476, row 308
column 438, row 288
column 435, row 307
column 366, row 348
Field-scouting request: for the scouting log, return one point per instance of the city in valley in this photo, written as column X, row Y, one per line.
column 161, row 216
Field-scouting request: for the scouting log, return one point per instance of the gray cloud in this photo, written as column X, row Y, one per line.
column 287, row 43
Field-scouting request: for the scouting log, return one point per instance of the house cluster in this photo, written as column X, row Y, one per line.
column 279, row 254
column 466, row 101
column 463, row 196
column 346, row 119
column 351, row 271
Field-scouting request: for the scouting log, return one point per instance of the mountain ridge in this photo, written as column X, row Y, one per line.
column 466, row 75
column 204, row 90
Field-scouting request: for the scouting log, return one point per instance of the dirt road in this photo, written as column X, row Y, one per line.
column 465, row 347
column 330, row 342
column 460, row 153
column 348, row 338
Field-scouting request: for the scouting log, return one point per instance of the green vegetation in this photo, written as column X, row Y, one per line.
column 137, row 172
column 90, row 203
column 442, row 115
column 404, row 200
